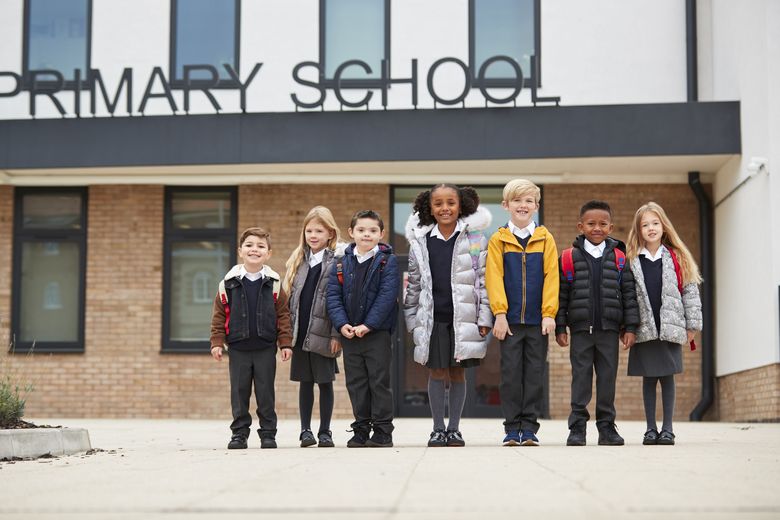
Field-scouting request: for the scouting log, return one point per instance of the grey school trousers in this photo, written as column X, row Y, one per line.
column 522, row 364
column 587, row 352
column 367, row 373
column 248, row 367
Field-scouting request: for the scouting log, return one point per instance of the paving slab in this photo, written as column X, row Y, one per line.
column 180, row 469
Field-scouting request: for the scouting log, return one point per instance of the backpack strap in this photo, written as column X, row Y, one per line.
column 276, row 286
column 677, row 270
column 223, row 297
column 340, row 271
column 620, row 263
column 567, row 264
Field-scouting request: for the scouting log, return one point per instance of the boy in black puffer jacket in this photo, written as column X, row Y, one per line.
column 598, row 303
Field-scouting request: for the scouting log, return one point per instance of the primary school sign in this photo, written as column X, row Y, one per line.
column 51, row 84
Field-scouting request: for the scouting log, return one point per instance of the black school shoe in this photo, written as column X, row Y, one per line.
column 380, row 440
column 325, row 439
column 358, row 440
column 608, row 436
column 455, row 439
column 576, row 436
column 237, row 442
column 267, row 439
column 666, row 438
column 651, row 437
column 307, row 439
column 438, row 439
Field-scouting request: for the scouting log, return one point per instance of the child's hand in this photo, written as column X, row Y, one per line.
column 691, row 335
column 216, row 353
column 286, row 353
column 548, row 326
column 335, row 346
column 348, row 331
column 483, row 331
column 501, row 327
column 562, row 339
column 629, row 338
column 361, row 330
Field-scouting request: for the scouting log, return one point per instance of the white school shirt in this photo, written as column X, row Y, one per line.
column 316, row 258
column 362, row 258
column 436, row 232
column 596, row 251
column 527, row 231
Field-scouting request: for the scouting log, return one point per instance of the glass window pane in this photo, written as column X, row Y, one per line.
column 51, row 211
column 49, row 309
column 205, row 35
column 191, row 263
column 201, row 210
column 355, row 30
column 58, row 36
column 504, row 27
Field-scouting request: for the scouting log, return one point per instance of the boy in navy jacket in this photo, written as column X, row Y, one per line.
column 362, row 304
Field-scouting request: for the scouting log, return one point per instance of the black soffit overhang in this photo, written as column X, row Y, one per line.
column 393, row 135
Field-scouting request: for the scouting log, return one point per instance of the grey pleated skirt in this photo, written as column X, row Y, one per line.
column 441, row 352
column 655, row 358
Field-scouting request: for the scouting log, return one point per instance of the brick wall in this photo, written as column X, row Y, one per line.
column 561, row 211
column 123, row 374
column 750, row 395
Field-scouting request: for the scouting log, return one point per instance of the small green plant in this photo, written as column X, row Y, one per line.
column 14, row 390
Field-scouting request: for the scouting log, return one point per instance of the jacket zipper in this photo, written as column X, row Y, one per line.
column 522, row 306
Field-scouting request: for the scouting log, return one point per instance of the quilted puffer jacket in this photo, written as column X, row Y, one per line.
column 679, row 312
column 469, row 297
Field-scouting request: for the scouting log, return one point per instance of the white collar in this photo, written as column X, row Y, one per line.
column 370, row 254
column 651, row 257
column 527, row 231
column 436, row 232
column 242, row 273
column 316, row 258
column 596, row 251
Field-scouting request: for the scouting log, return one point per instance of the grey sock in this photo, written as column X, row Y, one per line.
column 457, row 400
column 436, row 400
column 648, row 395
column 667, row 399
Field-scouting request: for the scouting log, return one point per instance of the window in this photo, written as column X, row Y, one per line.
column 205, row 32
column 354, row 30
column 504, row 28
column 57, row 36
column 49, row 268
column 200, row 246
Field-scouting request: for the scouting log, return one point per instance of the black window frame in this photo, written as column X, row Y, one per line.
column 21, row 236
column 529, row 77
column 171, row 235
column 49, row 84
column 353, row 83
column 222, row 83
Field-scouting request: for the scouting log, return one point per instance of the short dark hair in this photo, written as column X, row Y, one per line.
column 367, row 213
column 595, row 204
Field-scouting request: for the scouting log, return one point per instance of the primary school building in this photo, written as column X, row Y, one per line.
column 137, row 139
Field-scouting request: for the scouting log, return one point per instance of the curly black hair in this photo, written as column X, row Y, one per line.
column 595, row 204
column 467, row 196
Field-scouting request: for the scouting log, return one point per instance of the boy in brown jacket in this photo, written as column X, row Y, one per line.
column 252, row 318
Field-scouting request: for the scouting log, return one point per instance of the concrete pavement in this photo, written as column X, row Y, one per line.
column 180, row 469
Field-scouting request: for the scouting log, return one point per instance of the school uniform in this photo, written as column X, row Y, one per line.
column 365, row 292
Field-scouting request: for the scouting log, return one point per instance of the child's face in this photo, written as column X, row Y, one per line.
column 254, row 252
column 366, row 234
column 595, row 224
column 445, row 206
column 317, row 235
column 521, row 209
column 652, row 229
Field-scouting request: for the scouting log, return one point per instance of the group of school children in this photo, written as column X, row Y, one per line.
column 342, row 299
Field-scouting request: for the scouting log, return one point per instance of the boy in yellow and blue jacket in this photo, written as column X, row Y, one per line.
column 522, row 282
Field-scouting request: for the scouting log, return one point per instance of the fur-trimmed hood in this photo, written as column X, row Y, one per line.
column 477, row 221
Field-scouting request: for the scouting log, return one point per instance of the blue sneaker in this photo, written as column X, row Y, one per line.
column 512, row 438
column 529, row 439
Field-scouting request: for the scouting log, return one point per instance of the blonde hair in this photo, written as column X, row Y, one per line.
column 669, row 238
column 519, row 187
column 322, row 215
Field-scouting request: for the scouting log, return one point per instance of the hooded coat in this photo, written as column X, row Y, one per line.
column 469, row 297
column 679, row 312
